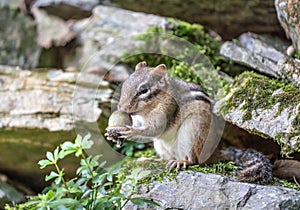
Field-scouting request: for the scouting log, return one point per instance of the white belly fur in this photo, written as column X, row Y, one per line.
column 165, row 145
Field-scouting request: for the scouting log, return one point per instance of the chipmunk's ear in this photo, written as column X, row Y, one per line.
column 140, row 65
column 159, row 73
column 160, row 70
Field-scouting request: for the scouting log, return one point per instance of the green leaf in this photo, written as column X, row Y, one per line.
column 58, row 180
column 142, row 201
column 86, row 142
column 51, row 176
column 55, row 153
column 78, row 152
column 79, row 170
column 86, row 193
column 80, row 182
column 65, row 203
column 62, row 154
column 134, row 173
column 49, row 156
column 137, row 201
column 68, row 146
column 99, row 178
column 103, row 204
column 43, row 163
column 86, row 137
column 50, row 194
column 143, row 174
column 94, row 161
column 78, row 140
column 102, row 164
column 109, row 177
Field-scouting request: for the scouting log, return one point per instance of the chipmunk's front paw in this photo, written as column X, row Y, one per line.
column 130, row 132
column 113, row 134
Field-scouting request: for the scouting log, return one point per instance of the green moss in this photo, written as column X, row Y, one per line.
column 223, row 168
column 250, row 92
column 285, row 183
column 206, row 63
column 296, row 121
column 297, row 54
column 254, row 91
column 148, row 153
column 160, row 171
column 286, row 148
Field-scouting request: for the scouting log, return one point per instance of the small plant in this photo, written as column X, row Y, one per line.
column 130, row 147
column 92, row 188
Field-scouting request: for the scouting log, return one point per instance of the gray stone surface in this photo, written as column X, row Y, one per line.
column 55, row 102
column 51, row 30
column 264, row 56
column 108, row 34
column 252, row 50
column 17, row 39
column 194, row 190
column 9, row 194
column 289, row 69
column 42, row 109
column 289, row 16
column 67, row 9
column 228, row 18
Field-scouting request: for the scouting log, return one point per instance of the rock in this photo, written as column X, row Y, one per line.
column 195, row 190
column 253, row 51
column 32, row 101
column 9, row 195
column 51, row 29
column 18, row 39
column 60, row 76
column 67, row 9
column 229, row 18
column 264, row 56
column 110, row 37
column 107, row 35
column 40, row 110
column 241, row 55
column 264, row 106
column 289, row 18
column 289, row 69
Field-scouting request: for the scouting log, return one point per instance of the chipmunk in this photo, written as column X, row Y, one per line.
column 177, row 116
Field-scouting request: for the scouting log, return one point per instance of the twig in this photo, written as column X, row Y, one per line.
column 295, row 180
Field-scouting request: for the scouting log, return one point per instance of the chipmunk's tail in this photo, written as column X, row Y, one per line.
column 253, row 165
column 287, row 169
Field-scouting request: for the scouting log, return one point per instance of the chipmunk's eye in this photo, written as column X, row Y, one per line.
column 143, row 90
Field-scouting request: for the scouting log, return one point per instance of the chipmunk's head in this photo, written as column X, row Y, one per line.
column 142, row 89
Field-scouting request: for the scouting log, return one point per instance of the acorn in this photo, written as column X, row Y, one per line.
column 118, row 119
column 117, row 122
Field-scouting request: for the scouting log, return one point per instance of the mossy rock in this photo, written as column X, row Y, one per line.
column 189, row 52
column 264, row 106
